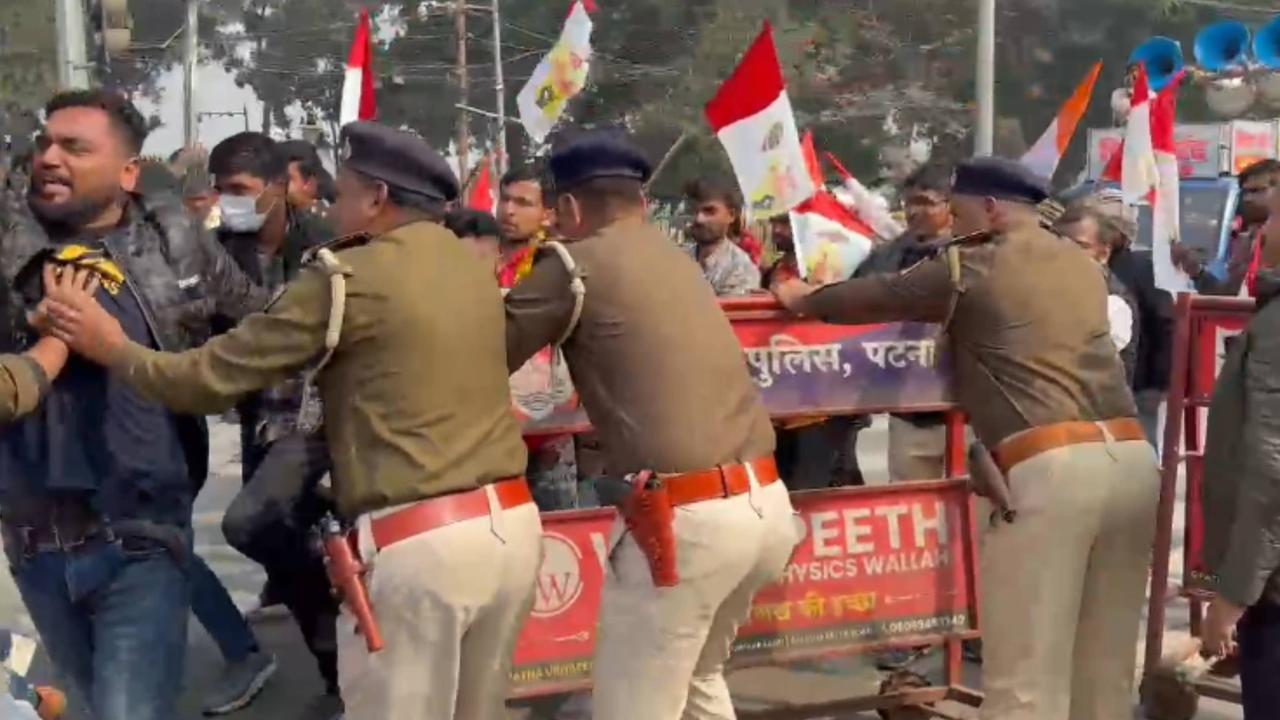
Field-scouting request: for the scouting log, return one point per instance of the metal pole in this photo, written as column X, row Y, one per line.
column 190, row 55
column 73, row 60
column 464, row 139
column 503, row 161
column 984, row 140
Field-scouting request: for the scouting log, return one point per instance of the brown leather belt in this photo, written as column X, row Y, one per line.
column 1031, row 443
column 437, row 512
column 719, row 482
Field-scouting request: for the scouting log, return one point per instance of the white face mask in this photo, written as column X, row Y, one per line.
column 239, row 213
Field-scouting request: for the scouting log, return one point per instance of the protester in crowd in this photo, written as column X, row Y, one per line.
column 310, row 184
column 717, row 223
column 481, row 232
column 1098, row 234
column 1245, row 247
column 525, row 222
column 96, row 484
column 1133, row 269
column 917, row 442
column 191, row 167
column 1242, row 498
column 281, row 463
column 812, row 452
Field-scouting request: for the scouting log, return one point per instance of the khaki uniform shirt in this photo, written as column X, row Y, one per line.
column 655, row 361
column 22, row 383
column 1029, row 338
column 416, row 396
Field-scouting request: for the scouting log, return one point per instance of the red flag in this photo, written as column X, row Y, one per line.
column 481, row 195
column 358, row 102
column 811, row 159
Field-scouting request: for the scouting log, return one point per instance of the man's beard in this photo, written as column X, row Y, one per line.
column 703, row 235
column 70, row 215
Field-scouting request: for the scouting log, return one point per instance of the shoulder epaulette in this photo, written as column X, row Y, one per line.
column 338, row 244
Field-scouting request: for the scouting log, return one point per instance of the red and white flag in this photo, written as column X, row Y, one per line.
column 358, row 102
column 831, row 241
column 1147, row 167
column 751, row 114
column 481, row 196
column 1044, row 156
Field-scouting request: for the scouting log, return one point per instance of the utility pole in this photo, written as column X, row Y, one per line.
column 984, row 141
column 190, row 56
column 73, row 61
column 503, row 161
column 464, row 139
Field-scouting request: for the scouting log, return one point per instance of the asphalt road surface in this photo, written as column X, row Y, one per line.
column 293, row 692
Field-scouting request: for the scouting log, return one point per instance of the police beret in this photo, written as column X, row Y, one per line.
column 586, row 155
column 398, row 158
column 1000, row 179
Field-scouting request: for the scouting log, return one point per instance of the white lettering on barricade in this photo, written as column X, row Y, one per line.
column 883, row 540
column 901, row 354
column 786, row 355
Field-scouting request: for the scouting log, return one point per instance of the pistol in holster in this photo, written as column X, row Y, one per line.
column 986, row 480
column 346, row 574
column 650, row 517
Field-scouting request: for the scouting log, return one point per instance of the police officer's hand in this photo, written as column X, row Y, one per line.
column 78, row 319
column 1218, row 636
column 791, row 293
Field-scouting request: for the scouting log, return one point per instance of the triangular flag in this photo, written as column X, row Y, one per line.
column 559, row 77
column 751, row 114
column 1044, row 156
column 358, row 102
column 830, row 240
column 865, row 204
column 481, row 195
column 1166, row 203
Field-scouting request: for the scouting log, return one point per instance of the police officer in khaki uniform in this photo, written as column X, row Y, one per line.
column 427, row 454
column 1033, row 365
column 663, row 380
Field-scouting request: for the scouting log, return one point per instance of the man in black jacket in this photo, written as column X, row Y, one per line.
column 281, row 462
column 96, row 485
column 1242, row 501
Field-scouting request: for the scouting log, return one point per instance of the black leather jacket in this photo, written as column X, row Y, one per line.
column 181, row 276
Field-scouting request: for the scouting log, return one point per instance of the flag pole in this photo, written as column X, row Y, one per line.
column 984, row 141
column 501, row 88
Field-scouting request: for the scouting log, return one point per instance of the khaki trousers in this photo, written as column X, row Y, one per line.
column 916, row 453
column 1063, row 585
column 450, row 603
column 661, row 651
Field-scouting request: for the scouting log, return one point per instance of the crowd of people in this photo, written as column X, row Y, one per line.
column 363, row 328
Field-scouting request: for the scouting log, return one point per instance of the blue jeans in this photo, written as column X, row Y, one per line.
column 113, row 618
column 1259, row 637
column 212, row 606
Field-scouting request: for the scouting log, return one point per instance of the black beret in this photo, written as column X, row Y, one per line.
column 593, row 154
column 398, row 158
column 1001, row 179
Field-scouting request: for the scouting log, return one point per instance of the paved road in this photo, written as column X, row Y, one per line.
column 289, row 695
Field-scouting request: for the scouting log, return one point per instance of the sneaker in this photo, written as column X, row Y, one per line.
column 240, row 684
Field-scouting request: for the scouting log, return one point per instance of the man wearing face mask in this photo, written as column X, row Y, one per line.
column 96, row 484
column 427, row 454
column 281, row 465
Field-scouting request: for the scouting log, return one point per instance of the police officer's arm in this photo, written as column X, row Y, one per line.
column 921, row 293
column 25, row 378
column 265, row 349
column 539, row 309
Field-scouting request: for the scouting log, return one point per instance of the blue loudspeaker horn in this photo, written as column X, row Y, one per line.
column 1162, row 57
column 1266, row 45
column 1222, row 45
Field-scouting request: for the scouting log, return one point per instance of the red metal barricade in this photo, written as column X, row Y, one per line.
column 1202, row 325
column 880, row 567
